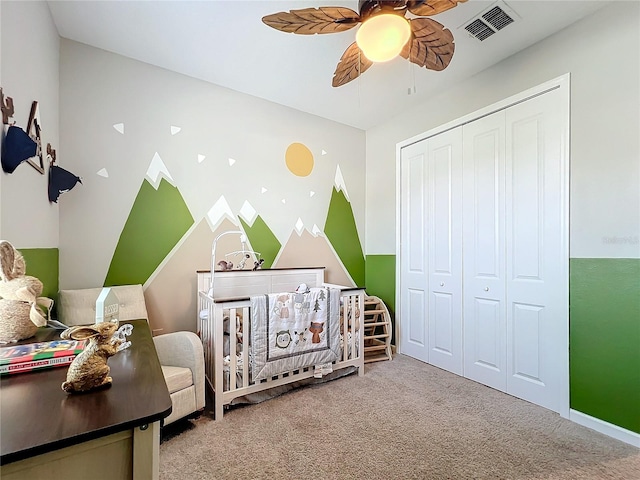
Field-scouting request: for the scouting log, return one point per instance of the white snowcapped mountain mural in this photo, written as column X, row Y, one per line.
column 340, row 184
column 248, row 212
column 157, row 171
column 218, row 212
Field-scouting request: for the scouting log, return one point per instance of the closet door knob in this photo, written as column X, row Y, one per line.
column 486, row 289
column 442, row 284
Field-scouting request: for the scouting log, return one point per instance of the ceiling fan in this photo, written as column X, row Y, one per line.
column 422, row 41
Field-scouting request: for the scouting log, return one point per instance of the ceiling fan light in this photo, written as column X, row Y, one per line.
column 382, row 37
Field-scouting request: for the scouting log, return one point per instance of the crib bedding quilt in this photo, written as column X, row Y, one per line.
column 293, row 330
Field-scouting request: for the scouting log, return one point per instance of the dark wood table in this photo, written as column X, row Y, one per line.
column 37, row 416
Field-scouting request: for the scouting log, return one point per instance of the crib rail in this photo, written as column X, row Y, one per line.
column 231, row 381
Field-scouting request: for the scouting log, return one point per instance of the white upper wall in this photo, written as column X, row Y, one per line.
column 30, row 48
column 602, row 53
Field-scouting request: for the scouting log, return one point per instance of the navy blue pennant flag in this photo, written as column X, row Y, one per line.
column 16, row 148
column 60, row 181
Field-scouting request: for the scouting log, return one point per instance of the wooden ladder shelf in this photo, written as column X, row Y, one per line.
column 377, row 330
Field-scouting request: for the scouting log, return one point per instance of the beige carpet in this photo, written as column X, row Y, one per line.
column 403, row 419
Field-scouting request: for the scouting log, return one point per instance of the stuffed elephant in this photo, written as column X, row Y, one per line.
column 20, row 301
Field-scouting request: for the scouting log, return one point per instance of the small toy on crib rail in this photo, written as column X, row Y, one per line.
column 243, row 261
column 224, row 265
column 258, row 265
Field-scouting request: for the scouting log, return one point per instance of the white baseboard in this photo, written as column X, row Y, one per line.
column 619, row 433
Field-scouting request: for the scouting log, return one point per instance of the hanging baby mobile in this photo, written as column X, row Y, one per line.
column 244, row 253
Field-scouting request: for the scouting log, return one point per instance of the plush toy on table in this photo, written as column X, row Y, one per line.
column 20, row 300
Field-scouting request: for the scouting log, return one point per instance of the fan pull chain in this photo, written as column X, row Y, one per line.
column 412, row 74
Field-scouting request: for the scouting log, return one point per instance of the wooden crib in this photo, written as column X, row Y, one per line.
column 230, row 298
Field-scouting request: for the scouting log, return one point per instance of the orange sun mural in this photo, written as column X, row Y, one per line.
column 299, row 159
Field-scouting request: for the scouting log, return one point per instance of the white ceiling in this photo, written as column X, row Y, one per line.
column 225, row 42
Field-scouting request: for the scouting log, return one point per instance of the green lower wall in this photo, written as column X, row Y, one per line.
column 604, row 339
column 42, row 263
column 380, row 281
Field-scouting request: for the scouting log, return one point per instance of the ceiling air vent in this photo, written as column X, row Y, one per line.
column 491, row 21
column 479, row 29
column 497, row 18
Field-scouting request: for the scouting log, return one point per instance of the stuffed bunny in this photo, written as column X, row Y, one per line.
column 20, row 301
column 89, row 369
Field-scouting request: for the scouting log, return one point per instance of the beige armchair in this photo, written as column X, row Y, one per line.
column 180, row 353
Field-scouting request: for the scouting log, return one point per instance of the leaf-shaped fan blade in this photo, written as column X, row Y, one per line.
column 427, row 8
column 352, row 64
column 431, row 45
column 310, row 21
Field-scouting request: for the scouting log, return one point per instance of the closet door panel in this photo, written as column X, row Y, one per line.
column 417, row 332
column 414, row 276
column 526, row 321
column 487, row 340
column 441, row 341
column 445, row 250
column 534, row 236
column 483, row 251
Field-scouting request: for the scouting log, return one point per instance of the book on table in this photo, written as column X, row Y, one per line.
column 34, row 356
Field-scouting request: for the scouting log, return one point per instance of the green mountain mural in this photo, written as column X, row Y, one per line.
column 262, row 240
column 157, row 221
column 340, row 229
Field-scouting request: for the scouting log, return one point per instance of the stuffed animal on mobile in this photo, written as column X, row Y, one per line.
column 224, row 265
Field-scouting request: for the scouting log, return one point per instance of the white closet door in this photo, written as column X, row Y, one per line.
column 484, row 251
column 444, row 154
column 414, row 278
column 535, row 226
column 504, row 206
